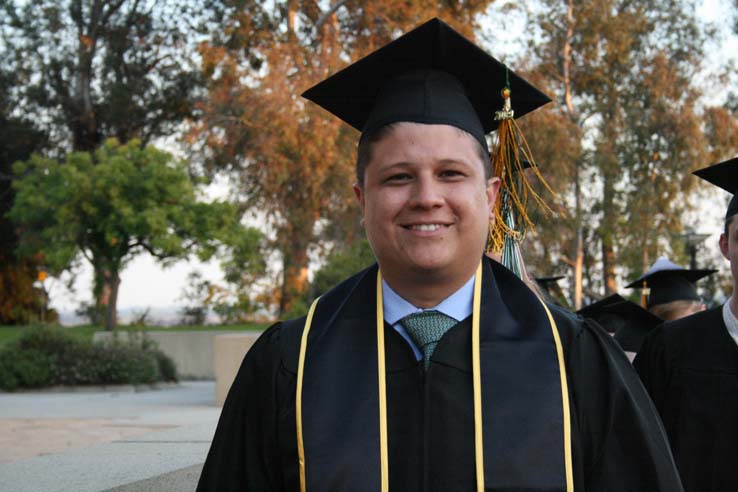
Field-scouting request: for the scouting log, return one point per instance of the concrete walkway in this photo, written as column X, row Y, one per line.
column 106, row 440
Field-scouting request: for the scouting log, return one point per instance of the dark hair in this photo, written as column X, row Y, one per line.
column 367, row 141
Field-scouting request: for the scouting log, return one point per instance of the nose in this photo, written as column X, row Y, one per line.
column 427, row 193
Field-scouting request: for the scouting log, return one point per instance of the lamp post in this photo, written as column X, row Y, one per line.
column 691, row 241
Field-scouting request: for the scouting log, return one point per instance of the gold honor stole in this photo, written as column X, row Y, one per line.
column 519, row 381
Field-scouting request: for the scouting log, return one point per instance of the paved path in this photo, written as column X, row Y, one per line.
column 105, row 439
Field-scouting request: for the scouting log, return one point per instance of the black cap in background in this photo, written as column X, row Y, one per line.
column 666, row 282
column 725, row 176
column 629, row 322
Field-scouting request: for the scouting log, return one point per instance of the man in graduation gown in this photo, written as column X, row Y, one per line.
column 690, row 368
column 436, row 369
column 626, row 321
column 669, row 290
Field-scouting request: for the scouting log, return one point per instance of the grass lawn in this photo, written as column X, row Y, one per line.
column 8, row 333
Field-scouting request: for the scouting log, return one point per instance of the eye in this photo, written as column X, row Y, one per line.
column 398, row 178
column 451, row 173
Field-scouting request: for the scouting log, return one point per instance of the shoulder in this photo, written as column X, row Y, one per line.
column 687, row 342
column 575, row 330
column 684, row 327
column 588, row 348
column 695, row 329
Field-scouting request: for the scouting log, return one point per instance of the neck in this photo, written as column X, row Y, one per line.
column 428, row 290
column 734, row 304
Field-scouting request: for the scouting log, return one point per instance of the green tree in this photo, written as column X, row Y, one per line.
column 111, row 205
column 340, row 265
column 88, row 70
column 294, row 161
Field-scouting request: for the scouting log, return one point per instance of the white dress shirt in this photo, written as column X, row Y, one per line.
column 458, row 306
column 731, row 322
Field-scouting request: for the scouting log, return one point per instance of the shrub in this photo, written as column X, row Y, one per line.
column 47, row 356
column 28, row 368
column 167, row 367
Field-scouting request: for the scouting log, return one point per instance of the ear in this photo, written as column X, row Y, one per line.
column 360, row 198
column 493, row 188
column 724, row 246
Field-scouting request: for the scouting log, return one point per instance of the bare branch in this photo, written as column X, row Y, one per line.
column 321, row 20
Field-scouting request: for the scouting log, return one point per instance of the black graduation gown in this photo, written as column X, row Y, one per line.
column 690, row 368
column 618, row 443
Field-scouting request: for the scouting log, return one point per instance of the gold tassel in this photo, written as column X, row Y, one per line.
column 509, row 152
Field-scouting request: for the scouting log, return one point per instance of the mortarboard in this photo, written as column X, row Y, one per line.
column 666, row 281
column 628, row 321
column 724, row 175
column 431, row 75
column 599, row 311
column 545, row 282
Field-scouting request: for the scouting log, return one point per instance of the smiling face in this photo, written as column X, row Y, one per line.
column 426, row 204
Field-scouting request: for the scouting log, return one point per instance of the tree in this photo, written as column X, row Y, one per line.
column 96, row 69
column 111, row 205
column 339, row 265
column 294, row 161
column 622, row 73
column 88, row 70
column 20, row 301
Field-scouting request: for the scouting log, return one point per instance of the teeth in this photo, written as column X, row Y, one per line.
column 426, row 227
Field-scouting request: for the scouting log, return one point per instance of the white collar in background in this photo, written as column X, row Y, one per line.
column 731, row 321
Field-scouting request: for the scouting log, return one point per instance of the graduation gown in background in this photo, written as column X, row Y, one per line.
column 618, row 443
column 690, row 368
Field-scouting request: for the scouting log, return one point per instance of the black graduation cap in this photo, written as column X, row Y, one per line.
column 666, row 281
column 545, row 282
column 598, row 311
column 430, row 75
column 629, row 322
column 724, row 175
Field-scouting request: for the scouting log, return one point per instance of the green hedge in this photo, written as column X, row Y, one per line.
column 46, row 356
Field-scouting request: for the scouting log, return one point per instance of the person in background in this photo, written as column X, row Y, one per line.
column 437, row 369
column 670, row 290
column 626, row 321
column 690, row 368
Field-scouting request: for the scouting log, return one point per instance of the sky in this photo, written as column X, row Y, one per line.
column 147, row 285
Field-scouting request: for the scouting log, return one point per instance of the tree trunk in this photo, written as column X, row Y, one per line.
column 294, row 275
column 84, row 124
column 579, row 245
column 112, row 282
column 607, row 235
column 607, row 228
column 608, row 266
column 578, row 270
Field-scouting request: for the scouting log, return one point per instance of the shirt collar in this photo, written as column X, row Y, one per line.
column 731, row 322
column 458, row 305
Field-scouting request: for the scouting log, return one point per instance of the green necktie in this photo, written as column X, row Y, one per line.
column 426, row 328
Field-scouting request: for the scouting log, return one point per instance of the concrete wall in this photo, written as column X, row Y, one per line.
column 229, row 352
column 192, row 351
